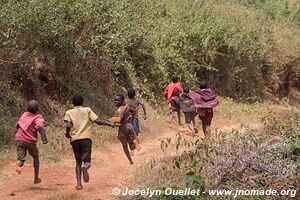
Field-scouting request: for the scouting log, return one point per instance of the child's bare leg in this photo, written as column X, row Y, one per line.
column 86, row 158
column 20, row 165
column 126, row 150
column 179, row 117
column 78, row 175
column 85, row 172
column 36, row 165
column 194, row 125
column 206, row 130
column 203, row 129
column 87, row 165
column 138, row 139
column 21, row 154
column 171, row 117
column 191, row 127
column 137, row 143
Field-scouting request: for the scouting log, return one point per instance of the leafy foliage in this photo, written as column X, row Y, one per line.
column 51, row 50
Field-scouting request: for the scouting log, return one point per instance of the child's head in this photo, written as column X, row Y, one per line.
column 77, row 100
column 33, row 106
column 119, row 99
column 175, row 79
column 203, row 85
column 186, row 89
column 131, row 93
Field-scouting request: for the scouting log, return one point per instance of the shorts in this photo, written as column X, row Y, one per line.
column 207, row 118
column 126, row 135
column 82, row 150
column 189, row 117
column 174, row 106
column 136, row 126
column 23, row 147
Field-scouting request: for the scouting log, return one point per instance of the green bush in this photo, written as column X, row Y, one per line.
column 294, row 144
column 11, row 106
column 52, row 49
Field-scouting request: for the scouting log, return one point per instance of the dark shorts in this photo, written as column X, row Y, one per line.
column 174, row 106
column 23, row 147
column 135, row 124
column 189, row 116
column 206, row 119
column 127, row 135
column 82, row 150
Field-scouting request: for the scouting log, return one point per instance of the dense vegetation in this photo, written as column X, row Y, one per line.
column 51, row 49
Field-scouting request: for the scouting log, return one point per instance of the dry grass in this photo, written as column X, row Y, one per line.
column 241, row 158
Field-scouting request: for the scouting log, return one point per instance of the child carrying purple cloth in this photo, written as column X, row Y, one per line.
column 205, row 101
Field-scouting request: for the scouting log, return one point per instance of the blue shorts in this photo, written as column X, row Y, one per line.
column 135, row 124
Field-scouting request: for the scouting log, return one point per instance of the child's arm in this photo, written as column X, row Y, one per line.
column 40, row 127
column 115, row 120
column 144, row 109
column 104, row 122
column 68, row 129
column 42, row 131
column 166, row 92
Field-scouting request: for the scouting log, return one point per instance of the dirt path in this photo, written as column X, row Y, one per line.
column 107, row 172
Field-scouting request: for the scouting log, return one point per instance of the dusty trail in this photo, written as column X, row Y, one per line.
column 108, row 170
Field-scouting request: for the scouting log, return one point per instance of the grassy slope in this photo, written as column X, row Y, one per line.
column 252, row 156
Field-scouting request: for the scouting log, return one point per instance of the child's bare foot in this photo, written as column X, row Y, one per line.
column 137, row 145
column 78, row 187
column 85, row 174
column 19, row 168
column 37, row 180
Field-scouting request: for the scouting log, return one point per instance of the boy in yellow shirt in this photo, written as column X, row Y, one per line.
column 79, row 121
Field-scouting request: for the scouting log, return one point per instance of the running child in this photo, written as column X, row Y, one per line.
column 27, row 127
column 205, row 101
column 134, row 106
column 187, row 106
column 122, row 119
column 172, row 94
column 79, row 121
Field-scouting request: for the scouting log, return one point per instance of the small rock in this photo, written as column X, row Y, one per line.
column 12, row 194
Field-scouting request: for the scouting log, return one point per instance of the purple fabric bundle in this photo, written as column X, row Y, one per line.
column 204, row 98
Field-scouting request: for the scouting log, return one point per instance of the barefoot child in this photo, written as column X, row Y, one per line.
column 122, row 119
column 172, row 94
column 187, row 106
column 27, row 127
column 79, row 121
column 134, row 105
column 205, row 101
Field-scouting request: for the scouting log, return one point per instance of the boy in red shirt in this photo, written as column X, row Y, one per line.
column 172, row 94
column 27, row 127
